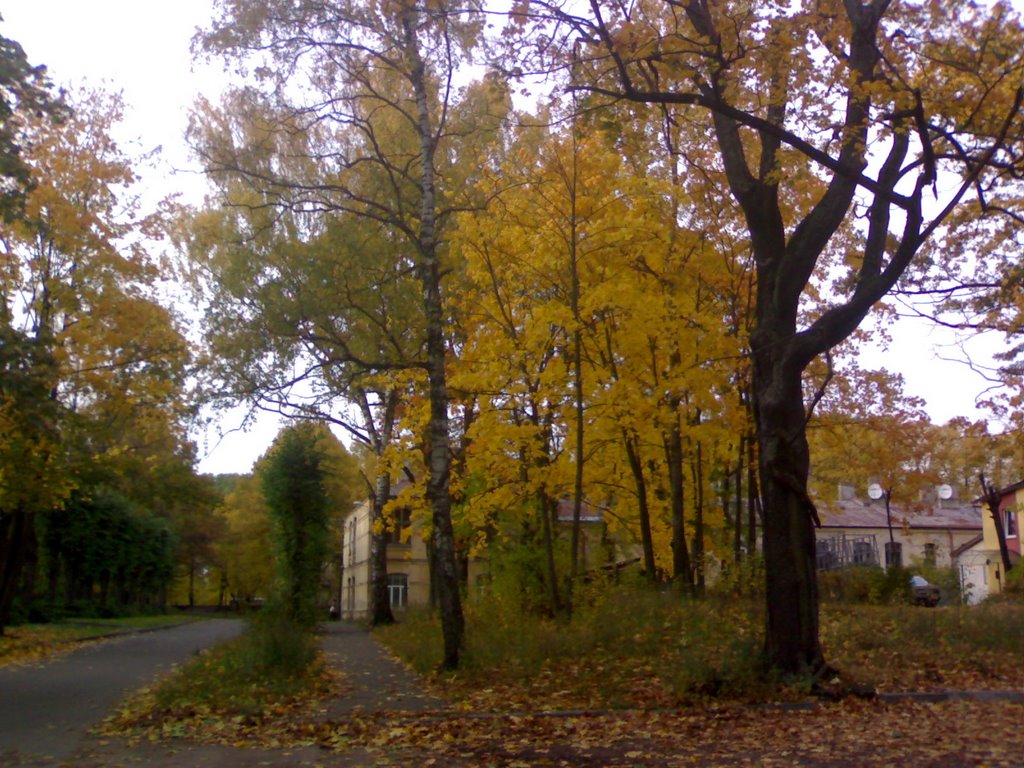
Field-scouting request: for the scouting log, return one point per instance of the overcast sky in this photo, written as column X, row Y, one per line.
column 142, row 49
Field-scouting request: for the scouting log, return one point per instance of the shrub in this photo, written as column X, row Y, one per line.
column 273, row 659
column 868, row 585
column 1013, row 583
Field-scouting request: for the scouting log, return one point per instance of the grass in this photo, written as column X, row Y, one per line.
column 907, row 648
column 32, row 643
column 269, row 664
column 635, row 647
column 257, row 681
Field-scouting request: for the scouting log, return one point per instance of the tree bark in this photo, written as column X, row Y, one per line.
column 737, row 533
column 682, row 572
column 438, row 491
column 991, row 497
column 697, row 469
column 643, row 510
column 791, row 580
column 548, row 516
column 380, row 602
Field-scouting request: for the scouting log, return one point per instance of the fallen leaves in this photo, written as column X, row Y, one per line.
column 620, row 705
column 33, row 644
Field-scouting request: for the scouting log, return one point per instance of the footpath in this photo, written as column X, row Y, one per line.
column 51, row 729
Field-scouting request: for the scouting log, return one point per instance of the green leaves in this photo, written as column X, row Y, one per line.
column 295, row 484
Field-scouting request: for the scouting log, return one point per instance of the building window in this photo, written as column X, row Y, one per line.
column 1010, row 527
column 862, row 553
column 352, row 541
column 930, row 554
column 398, row 523
column 398, row 590
column 893, row 554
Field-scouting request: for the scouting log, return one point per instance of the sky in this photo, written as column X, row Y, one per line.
column 142, row 49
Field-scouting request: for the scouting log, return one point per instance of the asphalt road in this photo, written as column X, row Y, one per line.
column 46, row 711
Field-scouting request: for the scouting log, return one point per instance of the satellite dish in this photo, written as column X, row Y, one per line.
column 875, row 492
column 945, row 491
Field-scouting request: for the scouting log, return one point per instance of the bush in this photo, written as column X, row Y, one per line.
column 1013, row 584
column 273, row 659
column 276, row 645
column 608, row 646
column 868, row 585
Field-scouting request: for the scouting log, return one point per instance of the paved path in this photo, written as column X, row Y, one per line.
column 46, row 711
column 375, row 680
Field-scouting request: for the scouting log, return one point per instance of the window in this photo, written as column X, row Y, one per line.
column 930, row 554
column 352, row 541
column 862, row 553
column 1010, row 526
column 893, row 554
column 398, row 590
column 398, row 522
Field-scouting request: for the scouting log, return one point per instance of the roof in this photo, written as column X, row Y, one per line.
column 588, row 513
column 855, row 513
column 970, row 544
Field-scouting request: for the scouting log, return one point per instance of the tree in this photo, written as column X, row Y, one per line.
column 246, row 551
column 25, row 93
column 295, row 482
column 378, row 87
column 332, row 345
column 76, row 296
column 835, row 123
column 26, row 432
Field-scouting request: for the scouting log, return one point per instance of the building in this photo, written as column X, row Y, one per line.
column 408, row 565
column 938, row 529
column 1011, row 501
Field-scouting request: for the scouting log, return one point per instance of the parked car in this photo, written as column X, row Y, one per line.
column 923, row 592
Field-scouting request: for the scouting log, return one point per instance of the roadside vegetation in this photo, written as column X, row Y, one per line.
column 274, row 669
column 636, row 677
column 634, row 647
column 255, row 683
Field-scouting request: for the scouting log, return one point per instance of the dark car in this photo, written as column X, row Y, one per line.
column 923, row 592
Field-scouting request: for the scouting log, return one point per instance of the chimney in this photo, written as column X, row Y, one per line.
column 847, row 492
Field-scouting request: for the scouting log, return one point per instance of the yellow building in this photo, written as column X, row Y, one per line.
column 407, row 565
column 1011, row 501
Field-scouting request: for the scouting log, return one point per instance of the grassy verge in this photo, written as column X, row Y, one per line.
column 240, row 691
column 632, row 647
column 32, row 643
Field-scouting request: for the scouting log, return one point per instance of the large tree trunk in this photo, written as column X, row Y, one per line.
column 791, row 580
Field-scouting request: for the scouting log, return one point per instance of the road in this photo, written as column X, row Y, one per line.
column 46, row 711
